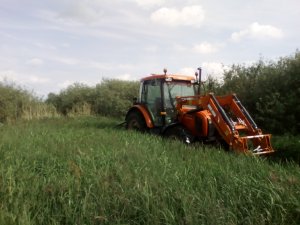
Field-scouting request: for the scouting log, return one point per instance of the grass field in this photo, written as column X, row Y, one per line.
column 85, row 171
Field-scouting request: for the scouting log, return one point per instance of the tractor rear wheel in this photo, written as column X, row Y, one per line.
column 135, row 121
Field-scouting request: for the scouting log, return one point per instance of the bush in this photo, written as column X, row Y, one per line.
column 72, row 98
column 17, row 103
column 270, row 91
column 114, row 97
column 287, row 148
column 109, row 98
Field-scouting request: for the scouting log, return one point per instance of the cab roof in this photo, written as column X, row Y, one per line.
column 173, row 76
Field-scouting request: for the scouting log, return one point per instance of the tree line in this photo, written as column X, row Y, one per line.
column 111, row 97
column 19, row 103
column 270, row 90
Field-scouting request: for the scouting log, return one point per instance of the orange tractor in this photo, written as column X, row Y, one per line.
column 172, row 106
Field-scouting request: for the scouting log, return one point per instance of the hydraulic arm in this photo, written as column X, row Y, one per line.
column 233, row 122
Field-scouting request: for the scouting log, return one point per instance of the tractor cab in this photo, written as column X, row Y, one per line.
column 158, row 94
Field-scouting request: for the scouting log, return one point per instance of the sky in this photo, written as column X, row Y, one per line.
column 48, row 45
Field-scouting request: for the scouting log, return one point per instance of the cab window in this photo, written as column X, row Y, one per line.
column 176, row 89
column 151, row 97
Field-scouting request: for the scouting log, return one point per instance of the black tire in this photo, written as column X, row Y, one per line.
column 135, row 121
column 177, row 133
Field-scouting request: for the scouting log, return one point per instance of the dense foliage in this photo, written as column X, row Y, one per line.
column 108, row 98
column 82, row 171
column 269, row 90
column 114, row 97
column 77, row 98
column 16, row 103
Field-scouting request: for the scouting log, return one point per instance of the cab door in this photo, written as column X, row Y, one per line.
column 151, row 97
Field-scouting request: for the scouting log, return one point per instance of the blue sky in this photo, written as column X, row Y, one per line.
column 47, row 45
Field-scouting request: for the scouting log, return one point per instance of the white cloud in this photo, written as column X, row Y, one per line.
column 65, row 60
column 202, row 48
column 125, row 76
column 215, row 69
column 180, row 48
column 187, row 16
column 84, row 11
column 38, row 80
column 151, row 49
column 189, row 71
column 65, row 45
column 99, row 65
column 258, row 31
column 45, row 46
column 65, row 84
column 75, row 13
column 35, row 62
column 206, row 48
column 20, row 78
column 108, row 66
column 150, row 3
column 8, row 75
column 68, row 83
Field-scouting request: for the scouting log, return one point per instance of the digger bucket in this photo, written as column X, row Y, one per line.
column 256, row 144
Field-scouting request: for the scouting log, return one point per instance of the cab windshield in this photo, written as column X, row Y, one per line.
column 175, row 89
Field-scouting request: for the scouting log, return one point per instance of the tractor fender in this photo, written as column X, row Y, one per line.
column 144, row 112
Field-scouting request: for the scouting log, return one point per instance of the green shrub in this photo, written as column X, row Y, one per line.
column 109, row 98
column 287, row 148
column 18, row 103
column 270, row 91
column 114, row 97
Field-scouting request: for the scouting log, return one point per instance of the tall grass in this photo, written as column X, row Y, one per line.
column 38, row 110
column 84, row 171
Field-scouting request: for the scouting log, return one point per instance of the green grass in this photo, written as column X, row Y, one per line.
column 287, row 148
column 84, row 171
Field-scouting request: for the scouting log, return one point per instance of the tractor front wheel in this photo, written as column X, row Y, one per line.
column 177, row 133
column 135, row 121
